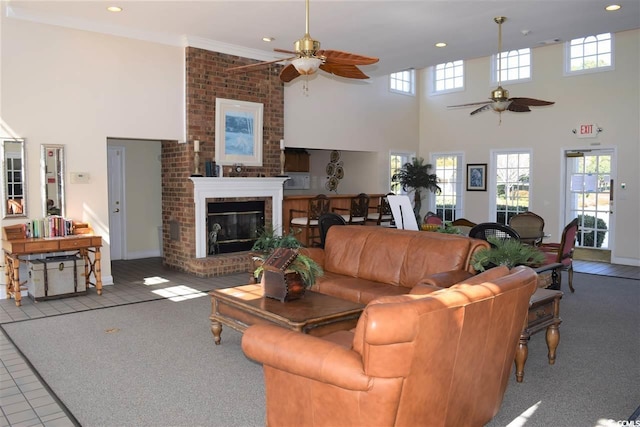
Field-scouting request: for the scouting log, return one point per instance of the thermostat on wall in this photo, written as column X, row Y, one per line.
column 80, row 177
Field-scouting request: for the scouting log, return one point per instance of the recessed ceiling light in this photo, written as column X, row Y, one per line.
column 441, row 44
column 268, row 39
column 613, row 7
column 114, row 9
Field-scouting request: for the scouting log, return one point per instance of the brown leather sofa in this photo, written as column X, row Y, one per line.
column 440, row 359
column 363, row 263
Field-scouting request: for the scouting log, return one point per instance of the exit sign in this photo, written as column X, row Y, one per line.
column 587, row 130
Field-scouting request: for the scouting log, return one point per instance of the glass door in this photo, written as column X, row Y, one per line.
column 589, row 195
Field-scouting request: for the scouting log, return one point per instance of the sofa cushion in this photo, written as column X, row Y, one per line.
column 355, row 289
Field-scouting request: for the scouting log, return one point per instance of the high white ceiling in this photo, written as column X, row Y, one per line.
column 401, row 33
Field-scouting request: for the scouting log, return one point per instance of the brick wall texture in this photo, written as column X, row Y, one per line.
column 207, row 78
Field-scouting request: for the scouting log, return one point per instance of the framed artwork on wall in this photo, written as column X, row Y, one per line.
column 238, row 132
column 476, row 177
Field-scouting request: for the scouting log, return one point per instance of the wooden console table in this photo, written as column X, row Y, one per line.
column 84, row 244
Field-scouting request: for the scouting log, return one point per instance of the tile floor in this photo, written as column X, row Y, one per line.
column 26, row 400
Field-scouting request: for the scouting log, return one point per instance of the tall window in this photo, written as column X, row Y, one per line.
column 403, row 82
column 448, row 76
column 513, row 65
column 593, row 53
column 396, row 161
column 448, row 169
column 511, row 187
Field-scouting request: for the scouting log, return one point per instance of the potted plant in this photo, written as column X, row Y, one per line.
column 509, row 252
column 302, row 266
column 415, row 175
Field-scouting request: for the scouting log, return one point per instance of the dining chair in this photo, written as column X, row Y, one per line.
column 308, row 220
column 382, row 213
column 485, row 230
column 529, row 226
column 464, row 225
column 563, row 252
column 327, row 221
column 358, row 210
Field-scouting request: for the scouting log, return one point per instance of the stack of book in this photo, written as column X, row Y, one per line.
column 51, row 226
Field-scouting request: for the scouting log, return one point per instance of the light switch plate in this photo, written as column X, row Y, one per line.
column 80, row 177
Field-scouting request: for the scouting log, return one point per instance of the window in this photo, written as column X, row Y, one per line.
column 448, row 76
column 396, row 161
column 403, row 82
column 513, row 65
column 448, row 169
column 593, row 53
column 511, row 186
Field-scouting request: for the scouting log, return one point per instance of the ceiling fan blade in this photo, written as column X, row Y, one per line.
column 337, row 56
column 518, row 108
column 344, row 70
column 531, row 102
column 469, row 104
column 259, row 64
column 290, row 52
column 289, row 73
column 484, row 107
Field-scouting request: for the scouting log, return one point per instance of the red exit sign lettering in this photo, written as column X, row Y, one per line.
column 587, row 130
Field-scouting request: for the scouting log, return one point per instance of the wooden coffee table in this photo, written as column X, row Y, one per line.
column 314, row 314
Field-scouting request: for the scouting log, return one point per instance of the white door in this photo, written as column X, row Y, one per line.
column 589, row 197
column 115, row 173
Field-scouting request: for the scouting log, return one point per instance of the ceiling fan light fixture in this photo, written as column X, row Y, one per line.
column 306, row 66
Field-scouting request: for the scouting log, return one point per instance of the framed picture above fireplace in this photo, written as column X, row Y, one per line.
column 238, row 132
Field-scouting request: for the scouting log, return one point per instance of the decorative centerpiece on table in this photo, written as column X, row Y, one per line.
column 284, row 272
column 509, row 252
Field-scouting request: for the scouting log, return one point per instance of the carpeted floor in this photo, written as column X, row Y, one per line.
column 155, row 364
column 146, row 364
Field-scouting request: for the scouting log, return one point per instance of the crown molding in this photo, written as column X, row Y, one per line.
column 17, row 12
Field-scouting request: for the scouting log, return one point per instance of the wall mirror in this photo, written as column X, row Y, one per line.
column 14, row 187
column 52, row 176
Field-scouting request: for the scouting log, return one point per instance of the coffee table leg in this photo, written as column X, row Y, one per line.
column 216, row 329
column 553, row 338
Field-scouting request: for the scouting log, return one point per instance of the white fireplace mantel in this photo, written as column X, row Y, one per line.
column 209, row 188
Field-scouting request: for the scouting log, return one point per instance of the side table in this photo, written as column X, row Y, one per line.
column 544, row 313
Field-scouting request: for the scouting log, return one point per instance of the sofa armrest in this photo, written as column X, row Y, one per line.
column 446, row 278
column 306, row 356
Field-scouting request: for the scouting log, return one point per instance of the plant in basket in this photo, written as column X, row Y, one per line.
column 509, row 252
column 284, row 271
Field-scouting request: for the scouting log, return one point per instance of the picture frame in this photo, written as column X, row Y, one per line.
column 476, row 177
column 238, row 132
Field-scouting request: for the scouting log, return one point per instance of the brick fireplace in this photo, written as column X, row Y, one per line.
column 183, row 227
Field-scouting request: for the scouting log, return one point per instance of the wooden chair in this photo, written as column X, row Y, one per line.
column 358, row 210
column 493, row 229
column 563, row 252
column 382, row 211
column 464, row 225
column 308, row 220
column 529, row 226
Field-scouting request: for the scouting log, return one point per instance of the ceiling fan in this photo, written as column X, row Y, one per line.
column 499, row 100
column 308, row 57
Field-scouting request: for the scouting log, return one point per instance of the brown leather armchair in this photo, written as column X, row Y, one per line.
column 441, row 359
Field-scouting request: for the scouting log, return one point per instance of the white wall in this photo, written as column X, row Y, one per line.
column 609, row 99
column 63, row 86
column 360, row 116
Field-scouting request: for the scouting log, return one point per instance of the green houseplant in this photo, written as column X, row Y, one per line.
column 509, row 252
column 268, row 241
column 415, row 175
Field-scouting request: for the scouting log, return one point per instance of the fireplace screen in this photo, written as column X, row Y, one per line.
column 233, row 226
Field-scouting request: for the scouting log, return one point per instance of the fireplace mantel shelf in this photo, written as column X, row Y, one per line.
column 231, row 187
